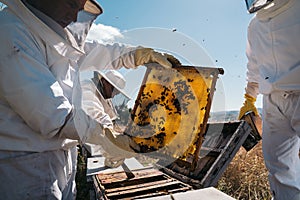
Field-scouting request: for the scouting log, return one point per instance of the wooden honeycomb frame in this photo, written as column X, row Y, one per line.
column 171, row 110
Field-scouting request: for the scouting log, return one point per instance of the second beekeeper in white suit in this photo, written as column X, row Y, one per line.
column 102, row 88
column 273, row 53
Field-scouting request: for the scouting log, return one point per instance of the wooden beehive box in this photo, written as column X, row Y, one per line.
column 220, row 145
column 170, row 122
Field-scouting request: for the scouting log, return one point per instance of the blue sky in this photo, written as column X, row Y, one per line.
column 219, row 27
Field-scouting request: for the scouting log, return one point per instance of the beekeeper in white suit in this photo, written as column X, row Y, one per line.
column 43, row 113
column 102, row 88
column 273, row 53
column 106, row 85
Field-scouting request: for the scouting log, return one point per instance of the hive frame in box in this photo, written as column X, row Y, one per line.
column 218, row 144
column 148, row 182
column 181, row 97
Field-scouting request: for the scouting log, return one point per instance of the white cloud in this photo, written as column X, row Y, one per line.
column 103, row 33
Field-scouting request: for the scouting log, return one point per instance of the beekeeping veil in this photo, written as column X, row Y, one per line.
column 255, row 5
column 85, row 19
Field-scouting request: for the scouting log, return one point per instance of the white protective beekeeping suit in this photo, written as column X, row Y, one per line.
column 273, row 53
column 39, row 90
column 51, row 61
column 41, row 105
column 105, row 112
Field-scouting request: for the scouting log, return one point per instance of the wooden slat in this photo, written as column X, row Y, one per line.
column 120, row 177
column 123, row 188
column 147, row 189
column 128, row 183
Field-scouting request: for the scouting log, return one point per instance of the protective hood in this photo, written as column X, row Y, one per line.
column 116, row 79
column 85, row 19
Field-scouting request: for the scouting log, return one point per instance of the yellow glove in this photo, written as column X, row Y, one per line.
column 248, row 106
column 121, row 147
column 148, row 55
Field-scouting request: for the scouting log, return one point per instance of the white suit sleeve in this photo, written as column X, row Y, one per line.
column 252, row 70
column 27, row 84
column 100, row 56
column 92, row 105
column 88, row 117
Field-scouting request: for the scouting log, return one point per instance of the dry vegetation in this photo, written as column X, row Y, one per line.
column 246, row 177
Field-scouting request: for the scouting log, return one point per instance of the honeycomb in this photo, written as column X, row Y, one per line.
column 171, row 110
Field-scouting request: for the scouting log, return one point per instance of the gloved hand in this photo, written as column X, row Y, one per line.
column 148, row 55
column 248, row 106
column 122, row 146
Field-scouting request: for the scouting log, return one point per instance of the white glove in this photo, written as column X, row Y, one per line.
column 116, row 146
column 82, row 124
column 121, row 147
column 148, row 55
